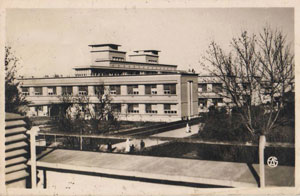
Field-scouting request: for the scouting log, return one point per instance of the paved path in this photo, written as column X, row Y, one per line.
column 176, row 133
column 163, row 168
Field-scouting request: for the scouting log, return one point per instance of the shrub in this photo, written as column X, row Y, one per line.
column 221, row 126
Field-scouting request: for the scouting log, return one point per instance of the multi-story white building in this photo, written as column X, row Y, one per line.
column 141, row 89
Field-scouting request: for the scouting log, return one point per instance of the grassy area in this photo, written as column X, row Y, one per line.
column 242, row 154
column 50, row 124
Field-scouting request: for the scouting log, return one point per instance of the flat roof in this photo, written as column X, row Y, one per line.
column 153, row 55
column 115, row 51
column 165, row 72
column 147, row 50
column 101, row 45
column 123, row 68
column 164, row 168
column 134, row 62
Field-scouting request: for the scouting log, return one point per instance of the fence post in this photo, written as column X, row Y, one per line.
column 81, row 142
column 33, row 132
column 262, row 143
column 80, row 138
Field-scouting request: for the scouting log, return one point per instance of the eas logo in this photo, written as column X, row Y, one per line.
column 272, row 161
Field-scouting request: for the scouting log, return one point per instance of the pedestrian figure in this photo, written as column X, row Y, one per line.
column 109, row 148
column 132, row 148
column 188, row 128
column 142, row 144
column 127, row 148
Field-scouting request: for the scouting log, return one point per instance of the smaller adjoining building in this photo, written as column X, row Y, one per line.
column 210, row 93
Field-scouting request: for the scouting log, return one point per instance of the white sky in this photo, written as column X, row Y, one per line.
column 50, row 41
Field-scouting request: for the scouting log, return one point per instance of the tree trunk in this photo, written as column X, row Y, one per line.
column 262, row 143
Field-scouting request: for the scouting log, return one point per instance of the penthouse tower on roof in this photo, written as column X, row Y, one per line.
column 148, row 56
column 105, row 52
column 108, row 60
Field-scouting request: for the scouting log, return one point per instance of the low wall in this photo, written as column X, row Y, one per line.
column 82, row 182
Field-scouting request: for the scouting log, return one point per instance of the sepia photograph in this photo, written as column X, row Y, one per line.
column 149, row 101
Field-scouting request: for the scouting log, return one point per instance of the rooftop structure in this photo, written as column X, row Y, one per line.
column 107, row 59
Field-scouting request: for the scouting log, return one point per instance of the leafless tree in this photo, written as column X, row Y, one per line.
column 85, row 114
column 94, row 111
column 256, row 75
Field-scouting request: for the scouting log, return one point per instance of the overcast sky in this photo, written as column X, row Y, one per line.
column 50, row 41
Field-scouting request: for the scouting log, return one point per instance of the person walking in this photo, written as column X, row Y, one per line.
column 109, row 147
column 127, row 147
column 142, row 144
column 188, row 128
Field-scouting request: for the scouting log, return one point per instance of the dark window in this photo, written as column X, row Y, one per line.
column 132, row 89
column 39, row 108
column 25, row 90
column 216, row 101
column 150, row 89
column 133, row 108
column 170, row 89
column 52, row 90
column 168, row 109
column 38, row 91
column 147, row 89
column 99, row 90
column 83, row 90
column 217, row 87
column 67, row 90
column 118, row 58
column 150, row 108
column 115, row 89
column 167, row 106
column 202, row 88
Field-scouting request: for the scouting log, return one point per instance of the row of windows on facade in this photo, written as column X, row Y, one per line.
column 123, row 59
column 134, row 108
column 152, row 108
column 202, row 102
column 150, row 89
column 218, row 87
column 117, row 73
column 144, row 66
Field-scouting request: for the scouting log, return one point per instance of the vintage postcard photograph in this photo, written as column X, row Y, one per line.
column 148, row 101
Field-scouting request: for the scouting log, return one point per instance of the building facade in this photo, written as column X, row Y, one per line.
column 141, row 89
column 211, row 92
